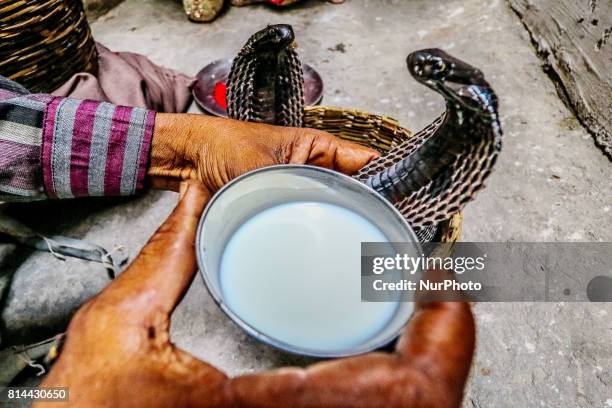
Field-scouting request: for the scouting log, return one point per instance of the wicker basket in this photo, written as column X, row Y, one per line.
column 379, row 132
column 44, row 42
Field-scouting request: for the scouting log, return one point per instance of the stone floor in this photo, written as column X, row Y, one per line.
column 551, row 183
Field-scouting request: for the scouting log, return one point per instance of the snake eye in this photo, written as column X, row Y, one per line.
column 418, row 69
column 439, row 67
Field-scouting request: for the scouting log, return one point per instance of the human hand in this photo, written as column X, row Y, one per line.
column 216, row 150
column 118, row 352
column 428, row 368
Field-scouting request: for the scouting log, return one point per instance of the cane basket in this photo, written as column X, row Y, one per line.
column 44, row 42
column 381, row 133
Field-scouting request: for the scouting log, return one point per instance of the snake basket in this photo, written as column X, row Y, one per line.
column 44, row 42
column 378, row 132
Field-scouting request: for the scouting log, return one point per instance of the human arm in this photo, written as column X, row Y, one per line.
column 135, row 364
column 55, row 147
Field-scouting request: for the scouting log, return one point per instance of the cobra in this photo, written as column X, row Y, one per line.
column 434, row 174
column 429, row 177
column 266, row 81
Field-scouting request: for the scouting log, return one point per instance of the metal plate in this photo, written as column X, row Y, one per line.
column 217, row 72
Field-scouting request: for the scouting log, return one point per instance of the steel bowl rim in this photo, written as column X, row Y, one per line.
column 254, row 332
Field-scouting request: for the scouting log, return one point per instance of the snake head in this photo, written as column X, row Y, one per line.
column 456, row 80
column 273, row 38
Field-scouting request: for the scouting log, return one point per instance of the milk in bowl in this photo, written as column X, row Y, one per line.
column 280, row 251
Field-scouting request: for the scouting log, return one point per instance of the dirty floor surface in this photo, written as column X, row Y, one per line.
column 551, row 183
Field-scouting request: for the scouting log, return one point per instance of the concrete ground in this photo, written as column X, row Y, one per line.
column 551, row 182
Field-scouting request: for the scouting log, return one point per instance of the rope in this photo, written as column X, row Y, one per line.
column 49, row 243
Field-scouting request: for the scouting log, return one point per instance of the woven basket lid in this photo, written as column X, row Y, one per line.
column 44, row 42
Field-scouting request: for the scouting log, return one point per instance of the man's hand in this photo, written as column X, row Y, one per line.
column 215, row 150
column 118, row 353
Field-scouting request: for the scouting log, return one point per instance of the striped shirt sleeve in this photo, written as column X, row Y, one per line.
column 55, row 147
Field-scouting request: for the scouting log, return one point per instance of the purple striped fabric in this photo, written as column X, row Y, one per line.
column 62, row 147
column 111, row 141
column 47, row 146
column 82, row 133
column 81, row 147
column 145, row 149
column 116, row 150
column 21, row 118
column 45, row 98
column 6, row 94
column 19, row 164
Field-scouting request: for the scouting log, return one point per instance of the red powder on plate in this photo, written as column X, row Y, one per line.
column 219, row 94
column 276, row 2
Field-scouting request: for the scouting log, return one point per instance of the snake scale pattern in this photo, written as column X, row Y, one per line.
column 266, row 82
column 429, row 177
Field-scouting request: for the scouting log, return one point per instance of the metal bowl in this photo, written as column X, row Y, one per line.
column 261, row 189
column 217, row 72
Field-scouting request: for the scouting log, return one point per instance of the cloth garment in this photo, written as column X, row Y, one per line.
column 126, row 78
column 59, row 147
column 91, row 137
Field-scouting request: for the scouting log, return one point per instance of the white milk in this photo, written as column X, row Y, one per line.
column 293, row 272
